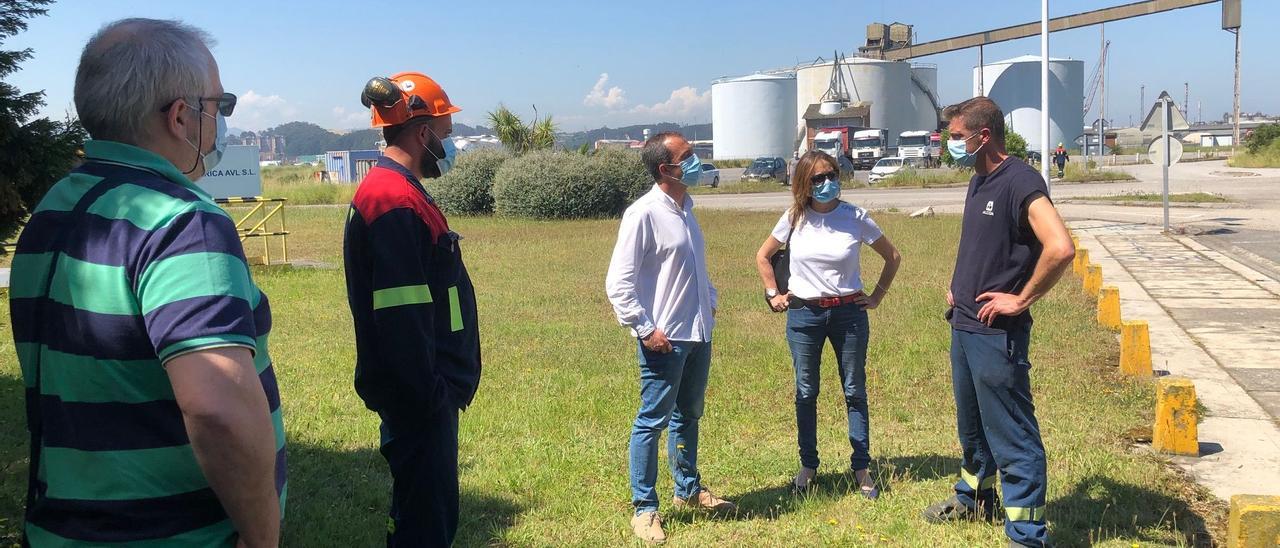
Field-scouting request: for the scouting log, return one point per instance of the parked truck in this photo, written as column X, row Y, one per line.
column 923, row 148
column 868, row 147
column 834, row 140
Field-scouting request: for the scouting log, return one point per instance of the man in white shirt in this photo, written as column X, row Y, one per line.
column 659, row 288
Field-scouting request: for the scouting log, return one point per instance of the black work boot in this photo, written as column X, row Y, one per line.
column 952, row 510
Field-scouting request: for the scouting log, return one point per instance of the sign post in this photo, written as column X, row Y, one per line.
column 1164, row 160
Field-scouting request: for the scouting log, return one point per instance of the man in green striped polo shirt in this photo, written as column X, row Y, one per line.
column 151, row 398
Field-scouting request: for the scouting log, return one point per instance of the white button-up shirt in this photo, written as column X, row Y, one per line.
column 658, row 275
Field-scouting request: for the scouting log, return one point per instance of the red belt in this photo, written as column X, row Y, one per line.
column 832, row 302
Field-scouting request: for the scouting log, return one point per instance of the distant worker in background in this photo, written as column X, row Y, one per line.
column 1060, row 157
column 417, row 345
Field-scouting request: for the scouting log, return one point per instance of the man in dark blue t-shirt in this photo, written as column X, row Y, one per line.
column 1013, row 249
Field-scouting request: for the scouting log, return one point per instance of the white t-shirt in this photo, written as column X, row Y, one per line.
column 824, row 250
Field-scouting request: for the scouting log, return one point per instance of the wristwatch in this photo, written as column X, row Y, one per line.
column 770, row 293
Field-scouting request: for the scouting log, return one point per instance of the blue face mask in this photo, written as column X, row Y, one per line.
column 691, row 170
column 826, row 191
column 961, row 156
column 211, row 158
column 450, row 154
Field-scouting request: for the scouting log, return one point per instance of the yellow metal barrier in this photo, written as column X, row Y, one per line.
column 254, row 224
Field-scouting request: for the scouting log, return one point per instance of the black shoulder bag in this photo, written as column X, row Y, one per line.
column 781, row 262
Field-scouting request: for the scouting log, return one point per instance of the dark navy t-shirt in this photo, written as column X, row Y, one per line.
column 998, row 250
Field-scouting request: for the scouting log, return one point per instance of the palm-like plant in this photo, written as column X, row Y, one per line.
column 518, row 137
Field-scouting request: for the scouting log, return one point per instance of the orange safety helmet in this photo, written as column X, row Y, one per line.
column 404, row 96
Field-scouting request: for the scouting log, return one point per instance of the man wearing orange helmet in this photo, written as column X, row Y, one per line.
column 417, row 345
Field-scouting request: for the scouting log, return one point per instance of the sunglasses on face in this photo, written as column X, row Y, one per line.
column 818, row 178
column 226, row 104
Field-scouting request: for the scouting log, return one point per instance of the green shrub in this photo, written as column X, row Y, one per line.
column 1262, row 137
column 467, row 189
column 554, row 185
column 624, row 169
column 1014, row 144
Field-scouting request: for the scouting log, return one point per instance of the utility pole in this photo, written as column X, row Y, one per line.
column 1044, row 92
column 982, row 68
column 1235, row 131
column 1102, row 109
column 1231, row 19
column 1142, row 100
column 1186, row 98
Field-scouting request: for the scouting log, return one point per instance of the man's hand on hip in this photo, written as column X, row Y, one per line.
column 657, row 342
column 999, row 304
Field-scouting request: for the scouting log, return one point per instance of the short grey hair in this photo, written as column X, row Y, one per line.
column 132, row 68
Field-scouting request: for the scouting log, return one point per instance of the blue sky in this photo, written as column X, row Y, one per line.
column 295, row 60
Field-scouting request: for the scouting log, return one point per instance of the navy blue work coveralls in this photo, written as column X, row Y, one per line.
column 417, row 345
column 990, row 371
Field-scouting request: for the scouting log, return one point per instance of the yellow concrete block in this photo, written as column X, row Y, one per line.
column 1254, row 522
column 1093, row 280
column 1175, row 428
column 1135, row 349
column 1081, row 263
column 1109, row 307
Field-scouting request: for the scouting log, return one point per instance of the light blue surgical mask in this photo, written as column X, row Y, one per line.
column 691, row 170
column 961, row 156
column 450, row 154
column 826, row 191
column 211, row 158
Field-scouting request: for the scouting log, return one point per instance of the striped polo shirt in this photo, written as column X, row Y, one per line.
column 145, row 268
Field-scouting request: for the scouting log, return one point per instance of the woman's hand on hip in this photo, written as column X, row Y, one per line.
column 779, row 303
column 867, row 302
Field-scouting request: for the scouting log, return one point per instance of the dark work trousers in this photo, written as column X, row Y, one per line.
column 423, row 458
column 990, row 375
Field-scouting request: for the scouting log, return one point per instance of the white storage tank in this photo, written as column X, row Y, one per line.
column 753, row 116
column 894, row 89
column 1014, row 85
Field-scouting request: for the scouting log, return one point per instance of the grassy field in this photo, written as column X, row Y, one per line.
column 742, row 187
column 298, row 185
column 1153, row 198
column 543, row 447
column 1266, row 157
column 1076, row 173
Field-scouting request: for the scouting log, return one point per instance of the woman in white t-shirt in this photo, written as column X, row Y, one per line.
column 824, row 300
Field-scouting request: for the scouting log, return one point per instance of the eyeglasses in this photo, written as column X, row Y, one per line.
column 818, row 178
column 226, row 104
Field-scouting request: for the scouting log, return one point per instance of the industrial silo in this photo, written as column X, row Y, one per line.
column 1014, row 85
column 753, row 116
column 894, row 90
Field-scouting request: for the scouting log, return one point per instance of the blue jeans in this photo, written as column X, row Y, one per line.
column 673, row 388
column 996, row 422
column 808, row 329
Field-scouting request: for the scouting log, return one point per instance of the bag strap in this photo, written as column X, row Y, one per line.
column 35, row 420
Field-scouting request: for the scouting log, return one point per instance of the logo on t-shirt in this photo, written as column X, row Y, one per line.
column 991, row 206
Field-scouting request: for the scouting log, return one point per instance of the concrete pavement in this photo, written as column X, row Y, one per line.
column 1216, row 322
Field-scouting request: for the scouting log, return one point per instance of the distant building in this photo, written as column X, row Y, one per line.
column 349, row 166
column 271, row 148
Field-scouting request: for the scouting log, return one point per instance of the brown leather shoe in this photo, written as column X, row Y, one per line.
column 705, row 500
column 648, row 526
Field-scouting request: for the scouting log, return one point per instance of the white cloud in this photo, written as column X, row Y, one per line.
column 255, row 111
column 684, row 102
column 612, row 98
column 344, row 119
